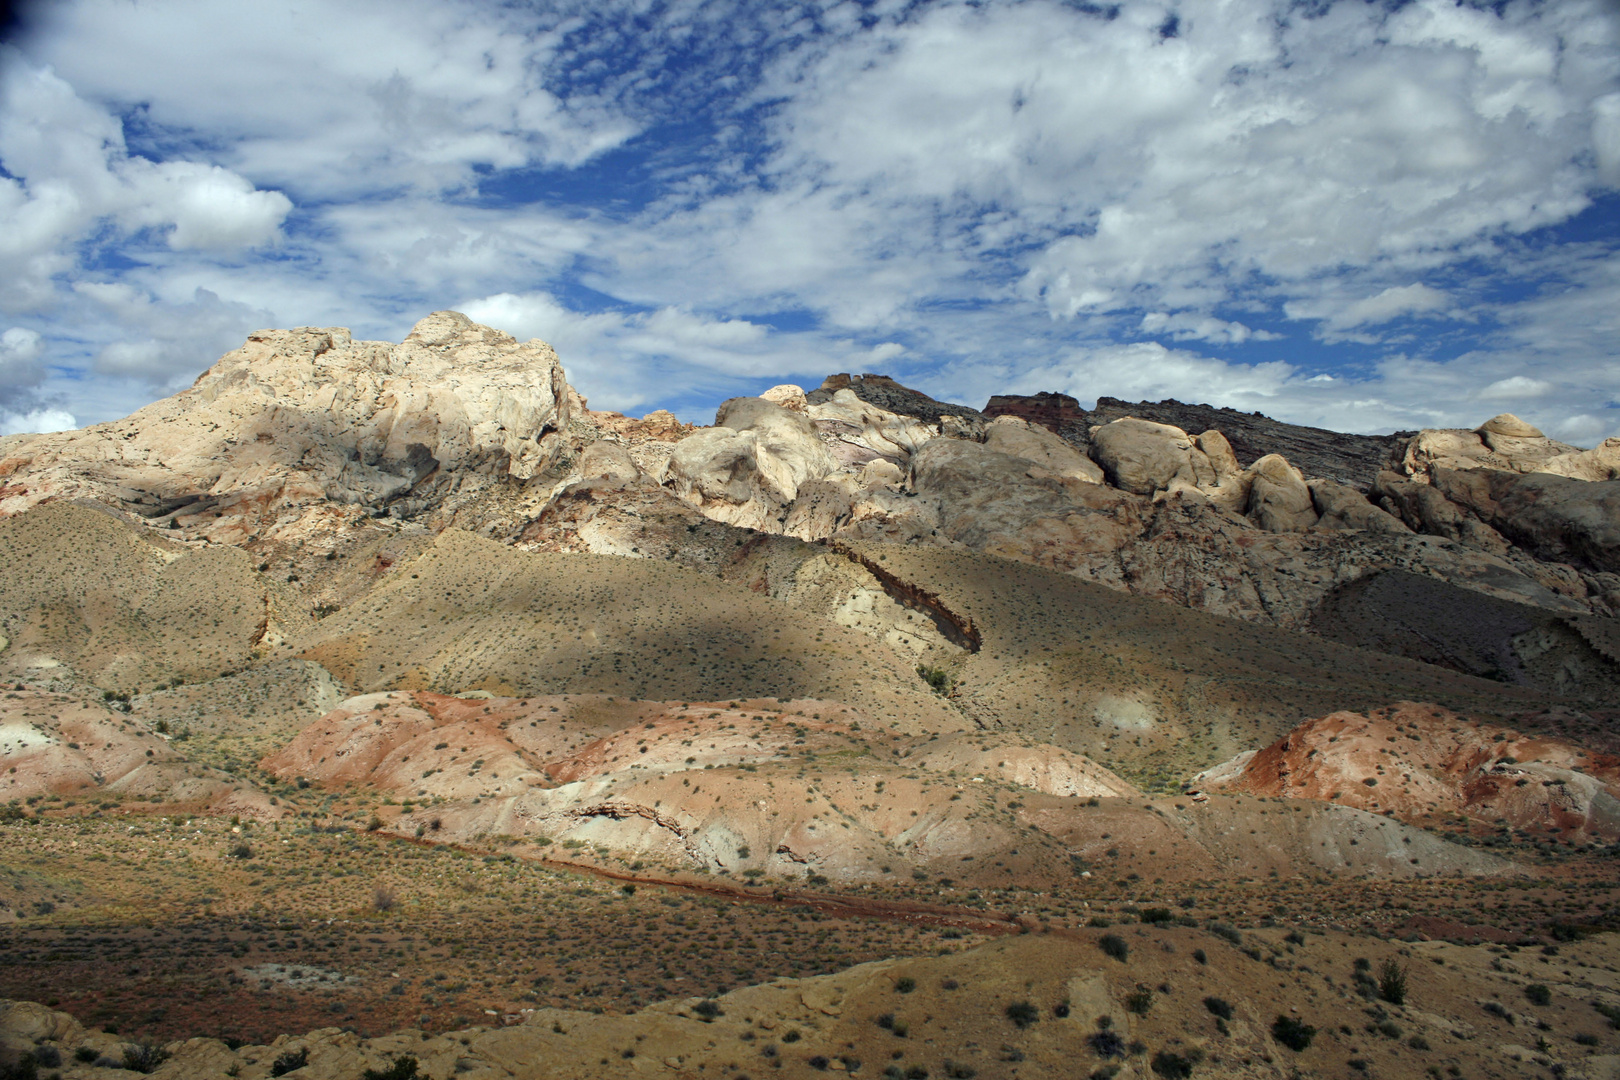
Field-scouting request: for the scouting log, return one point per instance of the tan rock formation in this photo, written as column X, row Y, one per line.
column 788, row 396
column 299, row 418
column 1020, row 438
column 1344, row 508
column 1279, row 500
column 857, row 431
column 748, row 468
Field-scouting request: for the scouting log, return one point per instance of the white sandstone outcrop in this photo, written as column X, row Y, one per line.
column 297, row 418
column 749, row 467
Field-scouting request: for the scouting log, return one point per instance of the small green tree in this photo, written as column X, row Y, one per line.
column 1392, row 982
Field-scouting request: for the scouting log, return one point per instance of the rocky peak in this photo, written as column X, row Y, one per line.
column 300, row 419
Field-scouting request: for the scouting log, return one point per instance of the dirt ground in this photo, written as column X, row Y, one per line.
column 155, row 927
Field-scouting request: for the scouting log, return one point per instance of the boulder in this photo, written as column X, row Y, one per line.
column 1502, row 442
column 1020, row 438
column 788, row 396
column 1511, row 426
column 604, row 460
column 1279, row 500
column 748, row 468
column 1424, row 508
column 1142, row 457
column 857, row 431
column 1341, row 507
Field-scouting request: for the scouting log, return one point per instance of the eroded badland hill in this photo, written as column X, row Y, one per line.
column 378, row 706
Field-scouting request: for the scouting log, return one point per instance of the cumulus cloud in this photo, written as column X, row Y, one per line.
column 1516, row 388
column 20, row 352
column 975, row 196
column 618, row 359
column 71, row 174
column 36, row 420
column 335, row 100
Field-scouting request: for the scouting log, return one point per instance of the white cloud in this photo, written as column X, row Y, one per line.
column 1516, row 388
column 1606, row 137
column 1392, row 303
column 994, row 184
column 36, row 420
column 622, row 359
column 339, row 99
column 20, row 351
column 1188, row 326
column 71, row 173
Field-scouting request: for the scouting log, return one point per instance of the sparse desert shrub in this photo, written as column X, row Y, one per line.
column 819, row 1063
column 1174, row 1066
column 1538, row 994
column 1392, row 982
column 935, row 677
column 1155, row 915
column 1227, row 931
column 958, row 1071
column 383, row 898
column 1106, row 1044
column 707, row 1010
column 1114, row 946
column 26, row 1067
column 1611, row 1013
column 905, row 984
column 1219, row 1006
column 1292, row 1033
column 290, row 1060
column 85, row 1054
column 1022, row 1013
column 144, row 1057
column 1201, row 956
column 402, row 1068
column 47, row 1056
column 243, row 850
column 1140, row 1000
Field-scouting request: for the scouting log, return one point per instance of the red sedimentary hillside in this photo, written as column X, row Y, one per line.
column 56, row 744
column 1422, row 762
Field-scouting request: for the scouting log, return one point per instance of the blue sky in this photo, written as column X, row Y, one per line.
column 1367, row 216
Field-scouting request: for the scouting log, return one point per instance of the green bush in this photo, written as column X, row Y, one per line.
column 1392, row 982
column 1538, row 994
column 1174, row 1066
column 1292, row 1033
column 1022, row 1013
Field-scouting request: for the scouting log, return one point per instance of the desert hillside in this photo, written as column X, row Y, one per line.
column 382, row 708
